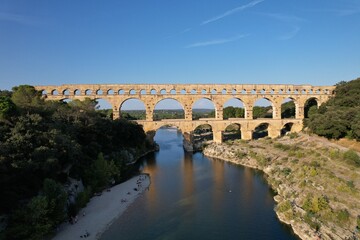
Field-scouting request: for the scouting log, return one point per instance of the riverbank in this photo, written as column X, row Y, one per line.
column 102, row 210
column 316, row 181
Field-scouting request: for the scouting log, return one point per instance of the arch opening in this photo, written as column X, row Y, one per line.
column 310, row 107
column 66, row 92
column 168, row 108
column 133, row 109
column 232, row 132
column 263, row 108
column 202, row 133
column 104, row 107
column 110, row 92
column 286, row 128
column 234, row 108
column 77, row 92
column 99, row 92
column 260, row 131
column 203, row 108
column 288, row 108
column 88, row 92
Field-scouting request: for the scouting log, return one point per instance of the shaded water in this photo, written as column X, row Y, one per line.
column 194, row 197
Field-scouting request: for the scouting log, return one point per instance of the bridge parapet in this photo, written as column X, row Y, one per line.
column 176, row 89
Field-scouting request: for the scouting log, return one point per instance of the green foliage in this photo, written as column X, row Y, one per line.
column 340, row 116
column 240, row 154
column 315, row 164
column 309, row 219
column 293, row 135
column 7, row 107
column 315, row 204
column 286, row 171
column 56, row 197
column 83, row 198
column 335, row 154
column 262, row 112
column 99, row 173
column 352, row 158
column 51, row 139
column 26, row 97
column 284, row 206
column 31, row 221
column 288, row 110
column 343, row 216
column 233, row 112
column 40, row 215
column 283, row 147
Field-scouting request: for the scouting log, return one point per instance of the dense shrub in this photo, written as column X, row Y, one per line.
column 340, row 116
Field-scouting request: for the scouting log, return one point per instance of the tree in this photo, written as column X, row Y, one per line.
column 30, row 222
column 56, row 198
column 100, row 172
column 340, row 116
column 25, row 96
column 288, row 110
column 7, row 107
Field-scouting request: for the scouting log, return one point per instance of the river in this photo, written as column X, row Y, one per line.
column 194, row 197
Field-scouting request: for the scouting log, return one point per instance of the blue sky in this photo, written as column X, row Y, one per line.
column 203, row 41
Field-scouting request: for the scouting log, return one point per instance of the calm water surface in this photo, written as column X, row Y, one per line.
column 194, row 197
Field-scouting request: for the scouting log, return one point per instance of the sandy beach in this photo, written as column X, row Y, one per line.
column 102, row 210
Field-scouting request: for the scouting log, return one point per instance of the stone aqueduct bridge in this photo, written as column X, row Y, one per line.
column 187, row 95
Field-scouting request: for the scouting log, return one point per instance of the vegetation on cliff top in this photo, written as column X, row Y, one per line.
column 43, row 143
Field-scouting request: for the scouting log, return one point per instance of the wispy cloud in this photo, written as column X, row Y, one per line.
column 284, row 18
column 217, row 41
column 291, row 34
column 179, row 33
column 17, row 18
column 232, row 11
column 338, row 12
column 341, row 11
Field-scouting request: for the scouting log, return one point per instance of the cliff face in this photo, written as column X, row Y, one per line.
column 317, row 187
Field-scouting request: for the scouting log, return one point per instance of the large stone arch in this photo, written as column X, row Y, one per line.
column 238, row 98
column 296, row 103
column 272, row 102
column 124, row 100
column 217, row 108
column 232, row 131
column 308, row 101
column 168, row 98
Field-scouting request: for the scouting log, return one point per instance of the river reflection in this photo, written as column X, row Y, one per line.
column 193, row 197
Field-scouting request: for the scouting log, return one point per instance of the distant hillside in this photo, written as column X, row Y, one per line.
column 340, row 116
